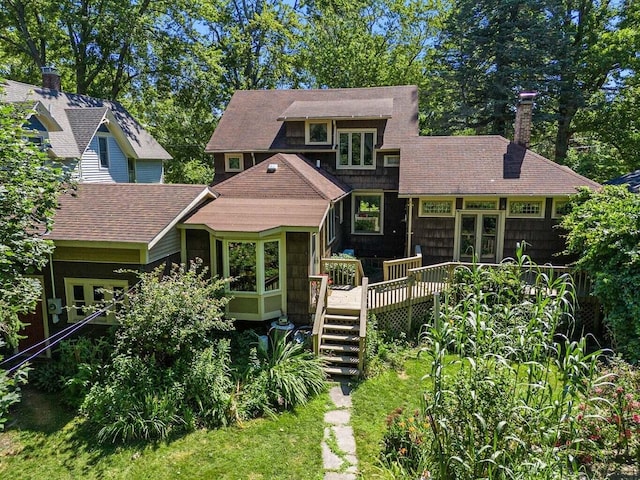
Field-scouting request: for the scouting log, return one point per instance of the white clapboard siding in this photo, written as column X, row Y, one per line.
column 168, row 245
column 118, row 170
column 149, row 171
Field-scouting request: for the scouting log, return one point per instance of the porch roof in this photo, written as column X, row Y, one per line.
column 255, row 215
column 481, row 165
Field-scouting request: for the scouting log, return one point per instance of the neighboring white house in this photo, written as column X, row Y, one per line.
column 98, row 138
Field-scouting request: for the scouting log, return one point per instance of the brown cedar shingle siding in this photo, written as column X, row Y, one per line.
column 476, row 166
column 298, row 277
column 435, row 236
column 123, row 212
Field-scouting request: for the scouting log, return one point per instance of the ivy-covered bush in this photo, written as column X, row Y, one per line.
column 603, row 230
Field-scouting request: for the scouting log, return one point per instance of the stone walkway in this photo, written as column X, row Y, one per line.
column 339, row 445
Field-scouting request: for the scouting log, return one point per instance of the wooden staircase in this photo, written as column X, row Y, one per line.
column 340, row 342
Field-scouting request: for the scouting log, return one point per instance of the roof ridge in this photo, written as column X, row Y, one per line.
column 302, row 175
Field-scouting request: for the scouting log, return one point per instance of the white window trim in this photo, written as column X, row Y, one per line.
column 450, row 200
column 88, row 284
column 554, row 208
column 260, row 270
column 307, row 132
column 499, row 233
column 350, row 166
column 331, row 220
column 106, row 140
column 361, row 193
column 526, row 199
column 386, row 160
column 496, row 201
column 229, row 156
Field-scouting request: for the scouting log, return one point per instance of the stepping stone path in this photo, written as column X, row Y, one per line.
column 339, row 445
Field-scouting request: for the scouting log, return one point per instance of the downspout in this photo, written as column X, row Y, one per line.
column 54, row 317
column 409, row 226
column 253, row 158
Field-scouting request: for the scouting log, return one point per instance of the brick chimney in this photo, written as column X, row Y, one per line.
column 51, row 78
column 524, row 114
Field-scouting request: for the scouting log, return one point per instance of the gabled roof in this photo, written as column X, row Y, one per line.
column 294, row 177
column 136, row 213
column 481, row 165
column 631, row 179
column 76, row 115
column 251, row 120
column 294, row 195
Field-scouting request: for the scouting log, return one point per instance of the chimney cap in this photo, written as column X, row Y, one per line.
column 527, row 97
column 49, row 69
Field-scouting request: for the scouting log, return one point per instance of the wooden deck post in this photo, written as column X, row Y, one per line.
column 411, row 280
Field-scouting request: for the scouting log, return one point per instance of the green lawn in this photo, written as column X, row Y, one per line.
column 45, row 443
column 374, row 399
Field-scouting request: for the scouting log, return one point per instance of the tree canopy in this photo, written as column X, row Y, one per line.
column 29, row 189
column 176, row 64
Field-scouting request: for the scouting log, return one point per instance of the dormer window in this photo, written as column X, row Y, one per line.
column 317, row 132
column 233, row 162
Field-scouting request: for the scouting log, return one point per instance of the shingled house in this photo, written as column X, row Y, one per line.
column 452, row 196
column 98, row 139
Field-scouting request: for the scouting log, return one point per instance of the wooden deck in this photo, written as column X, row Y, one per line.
column 383, row 297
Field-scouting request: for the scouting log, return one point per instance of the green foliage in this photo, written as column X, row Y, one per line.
column 504, row 385
column 383, row 352
column 10, row 390
column 603, row 229
column 171, row 317
column 29, row 189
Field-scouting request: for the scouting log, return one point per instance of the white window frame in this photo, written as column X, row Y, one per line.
column 259, row 265
column 350, row 165
column 88, row 285
column 451, row 201
column 307, row 132
column 388, row 157
column 331, row 225
column 499, row 232
column 104, row 138
column 230, row 156
column 540, row 214
column 554, row 208
column 363, row 193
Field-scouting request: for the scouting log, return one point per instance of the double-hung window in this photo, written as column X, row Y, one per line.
column 103, row 151
column 356, row 149
column 368, row 212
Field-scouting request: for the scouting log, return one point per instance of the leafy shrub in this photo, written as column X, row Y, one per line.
column 10, row 390
column 291, row 375
column 383, row 352
column 603, row 229
column 208, row 385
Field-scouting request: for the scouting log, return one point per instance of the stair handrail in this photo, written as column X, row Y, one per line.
column 321, row 307
column 362, row 341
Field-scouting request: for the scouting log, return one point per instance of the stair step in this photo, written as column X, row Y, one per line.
column 342, row 318
column 351, row 312
column 337, row 337
column 339, row 348
column 339, row 359
column 346, row 371
column 342, row 327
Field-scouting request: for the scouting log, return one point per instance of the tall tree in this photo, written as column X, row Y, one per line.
column 29, row 189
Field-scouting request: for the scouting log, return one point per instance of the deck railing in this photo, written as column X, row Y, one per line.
column 399, row 268
column 318, row 285
column 363, row 324
column 342, row 271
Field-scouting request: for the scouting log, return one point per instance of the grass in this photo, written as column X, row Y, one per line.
column 376, row 398
column 46, row 439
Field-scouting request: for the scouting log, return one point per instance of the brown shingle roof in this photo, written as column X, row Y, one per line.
column 339, row 109
column 250, row 121
column 122, row 212
column 481, row 165
column 295, row 177
column 227, row 214
column 64, row 107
